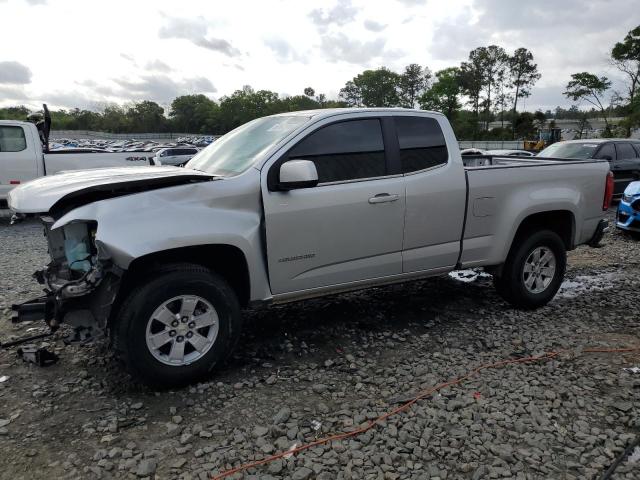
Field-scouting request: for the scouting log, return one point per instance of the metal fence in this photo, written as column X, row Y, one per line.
column 81, row 134
column 493, row 144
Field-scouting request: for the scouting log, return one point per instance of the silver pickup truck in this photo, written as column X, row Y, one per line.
column 293, row 206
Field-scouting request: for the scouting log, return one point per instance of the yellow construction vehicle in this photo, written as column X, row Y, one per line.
column 546, row 137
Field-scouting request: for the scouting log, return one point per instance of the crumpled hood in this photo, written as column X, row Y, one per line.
column 84, row 186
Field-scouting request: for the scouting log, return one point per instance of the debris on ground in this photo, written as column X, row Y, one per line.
column 341, row 362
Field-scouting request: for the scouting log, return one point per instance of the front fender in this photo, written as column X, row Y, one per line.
column 224, row 212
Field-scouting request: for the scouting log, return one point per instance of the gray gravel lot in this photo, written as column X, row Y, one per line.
column 321, row 367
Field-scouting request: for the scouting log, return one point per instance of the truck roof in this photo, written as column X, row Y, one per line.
column 328, row 112
column 15, row 122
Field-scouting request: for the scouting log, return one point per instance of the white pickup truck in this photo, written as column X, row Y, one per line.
column 24, row 155
column 294, row 206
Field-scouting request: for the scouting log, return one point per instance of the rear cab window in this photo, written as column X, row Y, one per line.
column 607, row 150
column 12, row 139
column 422, row 144
column 344, row 151
column 625, row 151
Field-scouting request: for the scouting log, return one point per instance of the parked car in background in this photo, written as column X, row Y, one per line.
column 509, row 153
column 628, row 217
column 623, row 155
column 25, row 155
column 176, row 156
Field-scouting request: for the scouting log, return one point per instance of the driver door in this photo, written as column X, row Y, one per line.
column 346, row 229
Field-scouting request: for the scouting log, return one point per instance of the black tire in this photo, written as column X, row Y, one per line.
column 130, row 328
column 510, row 284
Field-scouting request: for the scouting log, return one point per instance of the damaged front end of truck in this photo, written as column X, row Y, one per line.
column 82, row 280
column 80, row 283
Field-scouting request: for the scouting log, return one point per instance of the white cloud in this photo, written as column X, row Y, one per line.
column 162, row 48
column 374, row 26
column 14, row 73
column 339, row 47
column 161, row 88
column 195, row 30
column 340, row 14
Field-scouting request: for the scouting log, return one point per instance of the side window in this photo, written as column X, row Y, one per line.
column 422, row 143
column 344, row 151
column 12, row 139
column 606, row 150
column 625, row 150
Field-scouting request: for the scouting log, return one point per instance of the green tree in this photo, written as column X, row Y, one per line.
column 309, row 92
column 194, row 114
column 591, row 88
column 524, row 125
column 523, row 74
column 472, row 82
column 299, row 102
column 114, row 119
column 247, row 104
column 413, row 82
column 443, row 95
column 539, row 119
column 351, row 94
column 583, row 125
column 625, row 56
column 493, row 61
column 146, row 116
column 373, row 88
column 14, row 113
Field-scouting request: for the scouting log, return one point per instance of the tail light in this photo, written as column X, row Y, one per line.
column 608, row 192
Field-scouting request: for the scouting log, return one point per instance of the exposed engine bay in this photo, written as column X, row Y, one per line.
column 80, row 282
column 74, row 269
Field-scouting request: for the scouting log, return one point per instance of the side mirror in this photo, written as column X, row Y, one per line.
column 297, row 174
column 605, row 157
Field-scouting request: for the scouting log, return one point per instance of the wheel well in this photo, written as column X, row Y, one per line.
column 226, row 260
column 558, row 221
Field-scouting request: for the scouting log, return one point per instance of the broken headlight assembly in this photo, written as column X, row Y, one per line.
column 74, row 269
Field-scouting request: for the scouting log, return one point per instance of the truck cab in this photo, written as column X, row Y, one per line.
column 20, row 151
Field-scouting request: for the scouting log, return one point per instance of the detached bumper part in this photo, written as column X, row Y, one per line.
column 41, row 308
column 601, row 229
column 40, row 356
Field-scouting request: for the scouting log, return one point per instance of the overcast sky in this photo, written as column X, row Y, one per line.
column 84, row 53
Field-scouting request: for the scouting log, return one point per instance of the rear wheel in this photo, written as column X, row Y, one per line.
column 533, row 271
column 177, row 326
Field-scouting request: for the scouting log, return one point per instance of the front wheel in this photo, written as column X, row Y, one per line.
column 533, row 271
column 177, row 325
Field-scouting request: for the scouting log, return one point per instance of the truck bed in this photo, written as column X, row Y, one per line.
column 504, row 190
column 490, row 161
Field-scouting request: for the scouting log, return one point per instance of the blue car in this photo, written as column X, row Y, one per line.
column 628, row 217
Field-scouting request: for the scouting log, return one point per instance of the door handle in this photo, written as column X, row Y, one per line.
column 384, row 198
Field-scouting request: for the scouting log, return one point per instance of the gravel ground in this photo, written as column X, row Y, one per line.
column 320, row 367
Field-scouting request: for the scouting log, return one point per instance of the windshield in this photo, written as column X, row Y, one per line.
column 236, row 151
column 569, row 150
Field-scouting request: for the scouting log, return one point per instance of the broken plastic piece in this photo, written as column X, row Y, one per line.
column 632, row 369
column 4, row 378
column 40, row 356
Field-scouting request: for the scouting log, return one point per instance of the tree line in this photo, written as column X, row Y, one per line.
column 488, row 86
